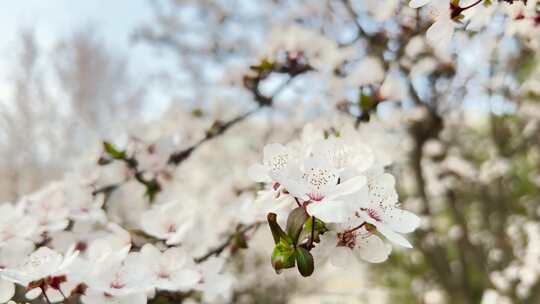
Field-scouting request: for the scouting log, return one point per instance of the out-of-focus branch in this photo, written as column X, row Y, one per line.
column 219, row 128
column 292, row 68
column 219, row 249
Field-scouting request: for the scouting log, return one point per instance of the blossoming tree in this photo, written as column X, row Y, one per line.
column 318, row 133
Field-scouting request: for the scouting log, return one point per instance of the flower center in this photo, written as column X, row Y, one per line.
column 117, row 285
column 372, row 214
column 346, row 239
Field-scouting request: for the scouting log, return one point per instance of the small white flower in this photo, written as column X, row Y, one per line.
column 48, row 205
column 82, row 205
column 216, row 285
column 278, row 160
column 97, row 297
column 378, row 207
column 319, row 184
column 170, row 222
column 172, row 269
column 11, row 254
column 118, row 276
column 349, row 243
column 14, row 223
column 42, row 263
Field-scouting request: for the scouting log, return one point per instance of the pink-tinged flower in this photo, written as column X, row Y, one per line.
column 117, row 276
column 42, row 264
column 319, row 184
column 171, row 269
column 15, row 224
column 378, row 207
column 278, row 161
column 170, row 222
column 12, row 253
column 49, row 207
column 216, row 286
column 96, row 297
column 349, row 242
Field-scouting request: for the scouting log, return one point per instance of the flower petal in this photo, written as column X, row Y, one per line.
column 342, row 257
column 348, row 187
column 258, row 173
column 418, row 3
column 393, row 236
column 401, row 221
column 7, row 290
column 330, row 211
column 372, row 249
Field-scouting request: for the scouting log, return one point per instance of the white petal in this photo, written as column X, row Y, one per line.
column 186, row 279
column 342, row 257
column 393, row 236
column 33, row 293
column 330, row 211
column 348, row 187
column 324, row 249
column 372, row 249
column 418, row 3
column 401, row 221
column 7, row 290
column 296, row 188
column 258, row 173
column 440, row 33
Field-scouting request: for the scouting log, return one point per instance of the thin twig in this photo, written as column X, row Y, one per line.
column 219, row 249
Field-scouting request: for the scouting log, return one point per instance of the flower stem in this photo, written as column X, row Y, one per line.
column 313, row 221
column 44, row 293
column 471, row 6
column 297, row 202
column 357, row 227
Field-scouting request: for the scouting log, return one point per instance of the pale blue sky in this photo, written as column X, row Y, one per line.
column 113, row 20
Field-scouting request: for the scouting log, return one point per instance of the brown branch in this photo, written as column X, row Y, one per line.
column 219, row 249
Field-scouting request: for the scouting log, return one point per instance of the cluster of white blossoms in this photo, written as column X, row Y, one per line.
column 522, row 18
column 59, row 244
column 337, row 199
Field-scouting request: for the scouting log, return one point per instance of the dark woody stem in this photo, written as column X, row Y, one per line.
column 218, row 250
column 44, row 293
column 297, row 202
column 357, row 227
column 472, row 5
column 311, row 240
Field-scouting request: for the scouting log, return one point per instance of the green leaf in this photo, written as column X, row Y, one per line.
column 295, row 222
column 366, row 102
column 113, row 151
column 304, row 261
column 283, row 256
column 320, row 228
column 277, row 232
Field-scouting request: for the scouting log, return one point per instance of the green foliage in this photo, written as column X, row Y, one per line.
column 283, row 255
column 295, row 223
column 292, row 247
column 304, row 261
column 113, row 152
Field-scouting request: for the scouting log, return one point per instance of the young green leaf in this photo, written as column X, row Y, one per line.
column 295, row 222
column 304, row 261
column 113, row 151
column 277, row 232
column 320, row 228
column 283, row 256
